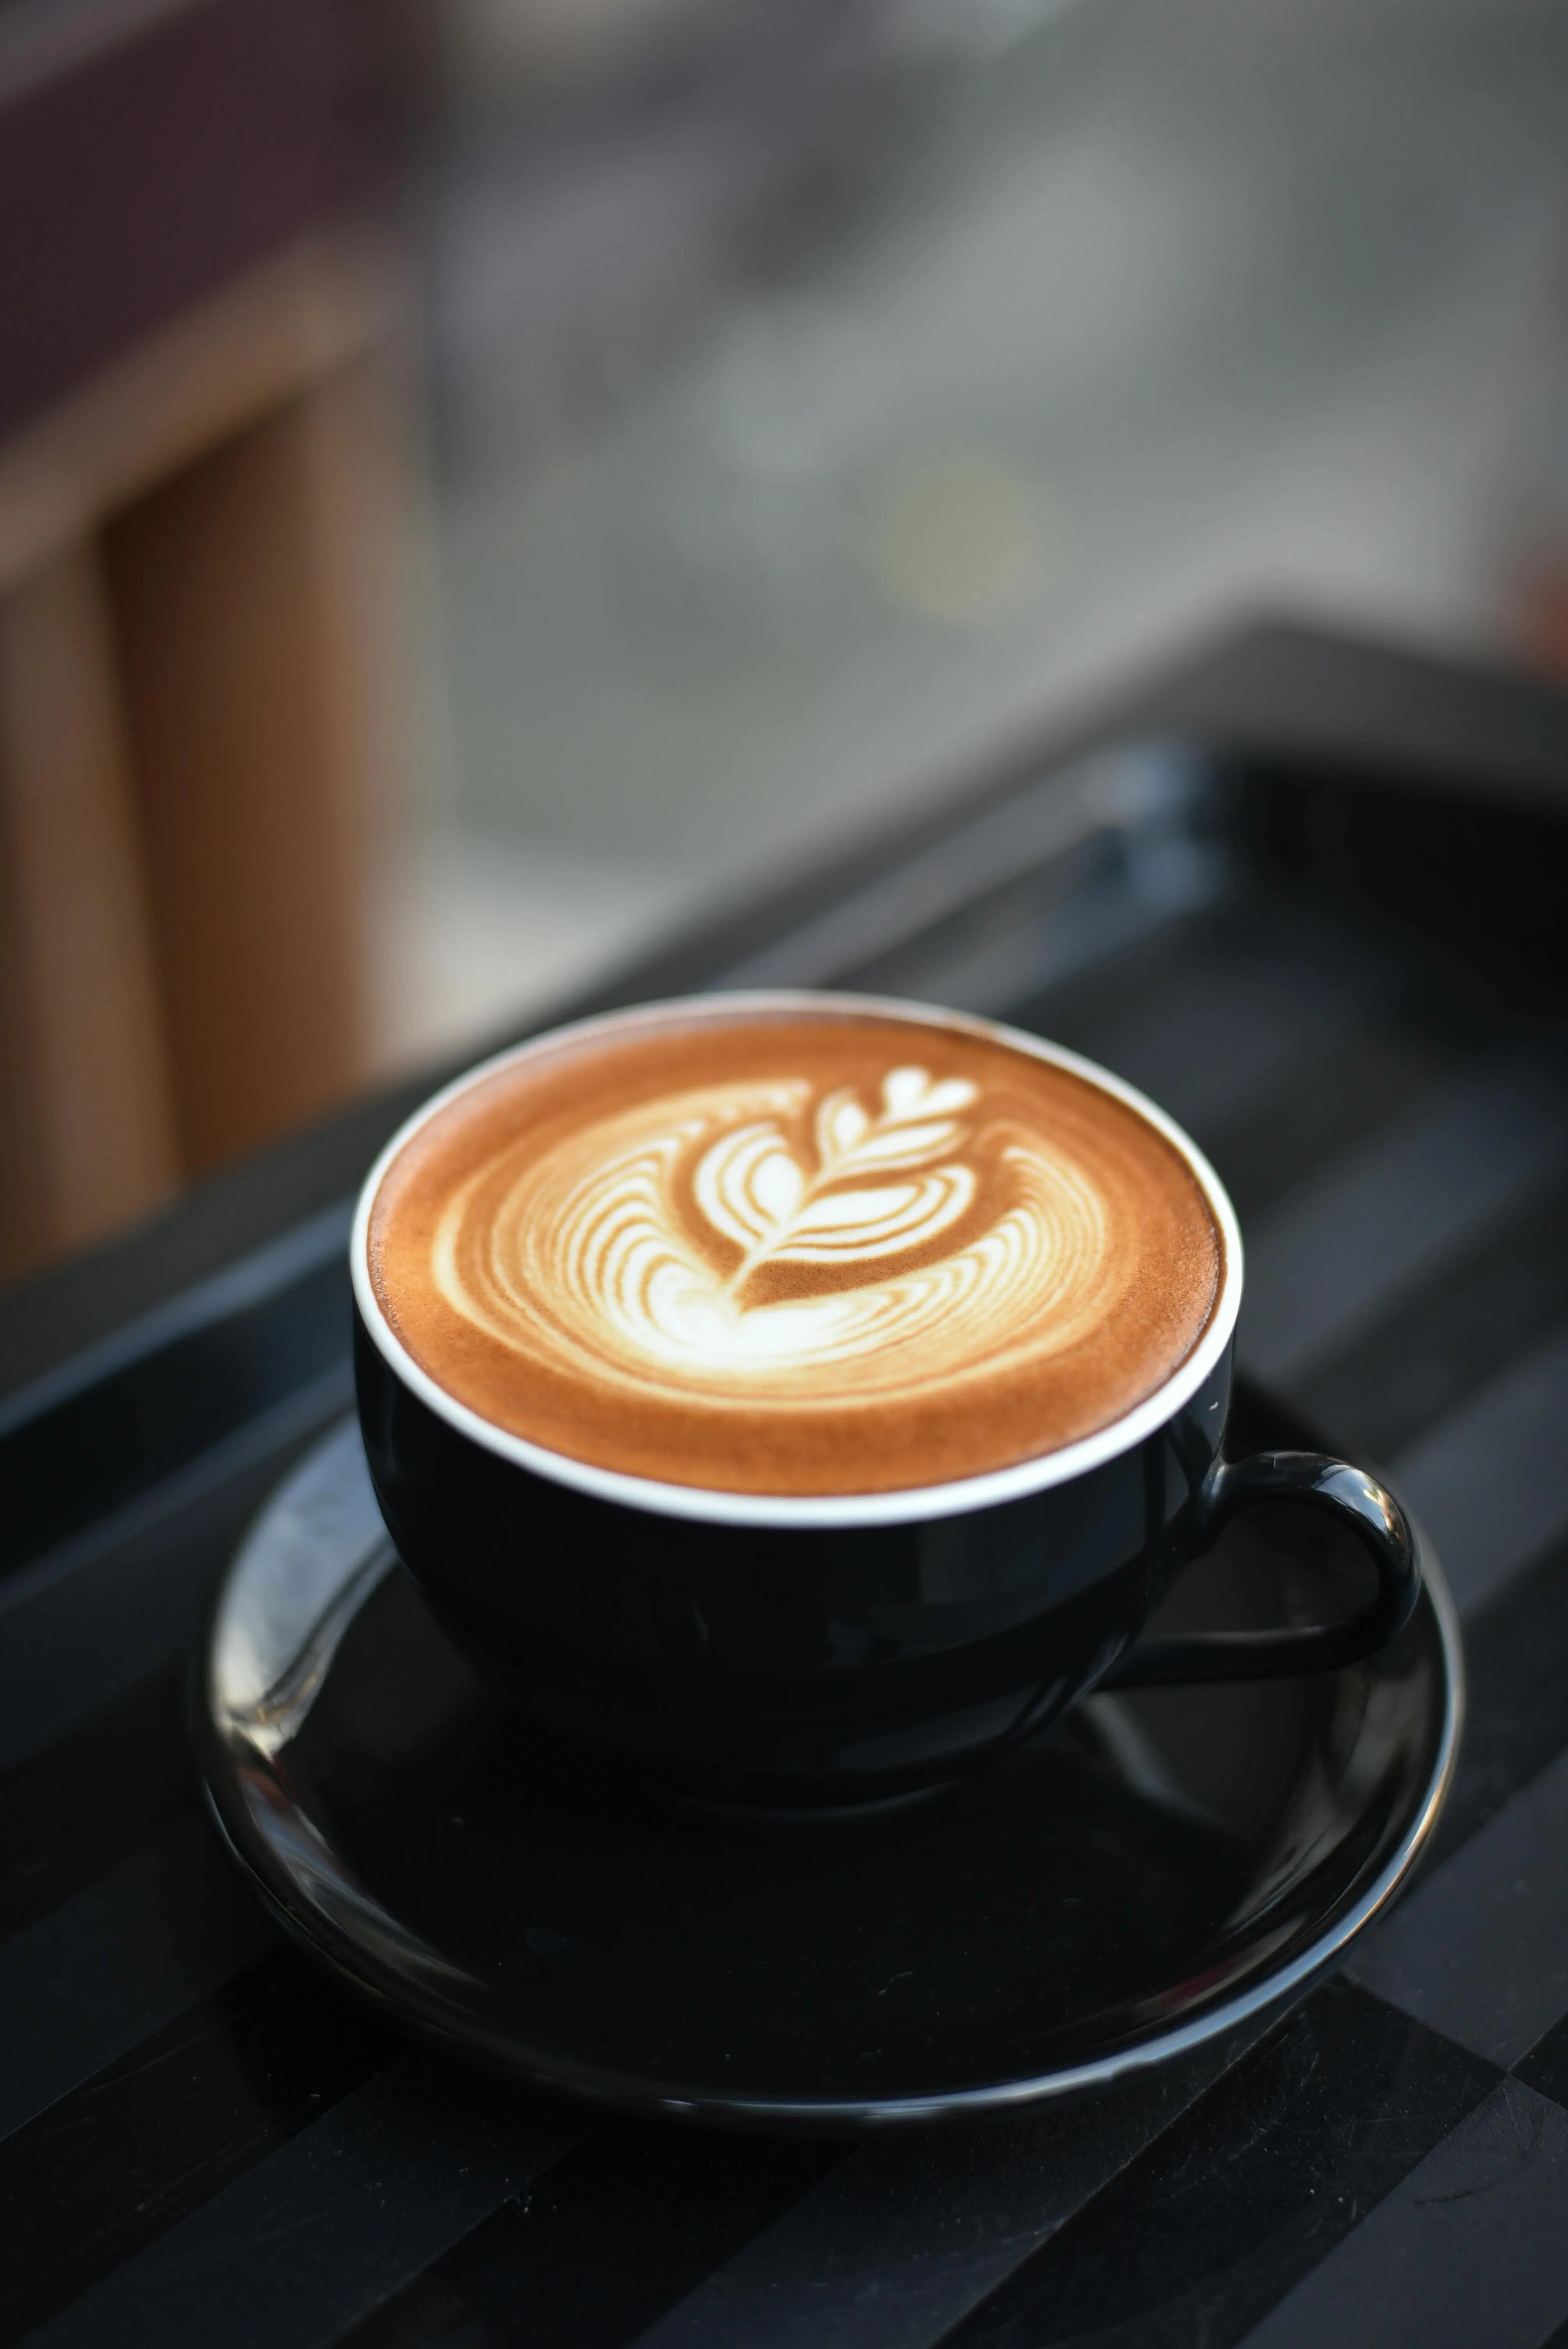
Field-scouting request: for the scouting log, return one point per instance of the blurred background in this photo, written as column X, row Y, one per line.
column 481, row 481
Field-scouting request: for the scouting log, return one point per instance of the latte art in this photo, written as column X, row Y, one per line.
column 751, row 1184
column 671, row 1247
column 782, row 1273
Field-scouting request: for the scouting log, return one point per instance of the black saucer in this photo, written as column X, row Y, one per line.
column 1161, row 1867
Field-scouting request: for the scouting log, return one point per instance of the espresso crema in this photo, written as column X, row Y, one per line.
column 805, row 1251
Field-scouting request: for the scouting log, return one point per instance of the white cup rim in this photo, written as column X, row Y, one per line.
column 903, row 1505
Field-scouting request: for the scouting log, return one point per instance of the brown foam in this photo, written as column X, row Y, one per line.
column 794, row 1252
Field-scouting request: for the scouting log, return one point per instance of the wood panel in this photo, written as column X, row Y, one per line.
column 246, row 602
column 87, row 1125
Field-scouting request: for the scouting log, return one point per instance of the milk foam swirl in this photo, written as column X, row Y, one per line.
column 774, row 1241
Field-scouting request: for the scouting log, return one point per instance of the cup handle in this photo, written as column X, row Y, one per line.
column 1357, row 1501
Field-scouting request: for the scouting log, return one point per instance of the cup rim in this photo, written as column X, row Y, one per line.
column 902, row 1505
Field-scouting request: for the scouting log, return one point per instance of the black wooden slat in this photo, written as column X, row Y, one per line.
column 1334, row 1259
column 1203, row 1020
column 1285, row 1135
column 314, row 2238
column 908, row 899
column 1027, row 939
column 1232, row 2206
column 76, row 1809
column 607, row 2239
column 79, row 1445
column 1470, row 2248
column 1225, row 1037
column 898, row 2245
column 112, row 2167
column 1093, row 1012
column 1516, row 1716
column 1479, row 1949
column 1491, row 1481
column 79, row 1629
column 1461, row 1329
column 119, row 1961
column 1545, row 2068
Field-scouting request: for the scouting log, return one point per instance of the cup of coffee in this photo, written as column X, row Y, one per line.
column 803, row 1399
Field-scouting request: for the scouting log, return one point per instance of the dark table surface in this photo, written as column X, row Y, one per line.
column 1308, row 894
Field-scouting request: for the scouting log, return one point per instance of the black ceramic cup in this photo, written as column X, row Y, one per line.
column 800, row 1650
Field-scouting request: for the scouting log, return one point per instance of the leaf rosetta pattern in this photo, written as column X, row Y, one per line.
column 752, row 1188
column 747, row 1242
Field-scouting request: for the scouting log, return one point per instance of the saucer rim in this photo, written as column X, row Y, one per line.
column 430, row 2019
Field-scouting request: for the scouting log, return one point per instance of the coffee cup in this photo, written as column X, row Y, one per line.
column 801, row 1400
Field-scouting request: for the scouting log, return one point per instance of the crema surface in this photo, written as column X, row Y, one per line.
column 796, row 1252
